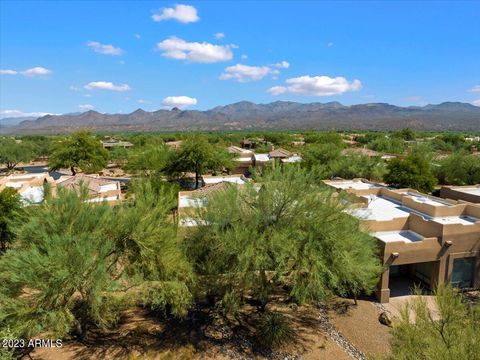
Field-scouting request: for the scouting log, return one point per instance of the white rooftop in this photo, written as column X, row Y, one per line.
column 399, row 235
column 192, row 201
column 427, row 200
column 32, row 195
column 468, row 190
column 292, row 159
column 230, row 179
column 380, row 208
column 262, row 157
column 463, row 220
column 352, row 184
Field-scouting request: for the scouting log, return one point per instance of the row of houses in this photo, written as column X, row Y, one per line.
column 422, row 240
column 247, row 158
column 31, row 187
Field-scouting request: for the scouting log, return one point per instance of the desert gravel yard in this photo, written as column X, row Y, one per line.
column 359, row 324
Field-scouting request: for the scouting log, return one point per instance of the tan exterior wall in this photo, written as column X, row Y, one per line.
column 447, row 192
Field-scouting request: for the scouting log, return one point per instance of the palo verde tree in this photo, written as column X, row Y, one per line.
column 80, row 150
column 453, row 333
column 413, row 172
column 77, row 264
column 13, row 152
column 292, row 233
column 10, row 212
column 199, row 156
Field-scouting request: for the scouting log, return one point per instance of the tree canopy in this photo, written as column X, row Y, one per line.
column 80, row 150
column 10, row 212
column 453, row 335
column 199, row 156
column 77, row 264
column 12, row 152
column 291, row 232
column 414, row 172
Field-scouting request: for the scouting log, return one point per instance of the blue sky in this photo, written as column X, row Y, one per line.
column 117, row 56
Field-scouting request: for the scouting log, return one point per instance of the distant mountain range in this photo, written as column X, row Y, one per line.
column 277, row 115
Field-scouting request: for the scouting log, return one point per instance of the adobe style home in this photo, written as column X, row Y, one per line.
column 30, row 187
column 99, row 189
column 469, row 193
column 423, row 240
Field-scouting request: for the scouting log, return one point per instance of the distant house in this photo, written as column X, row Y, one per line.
column 292, row 159
column 243, row 159
column 469, row 193
column 174, row 144
column 99, row 189
column 30, row 187
column 190, row 201
column 239, row 151
column 234, row 179
column 248, row 144
column 279, row 153
column 110, row 144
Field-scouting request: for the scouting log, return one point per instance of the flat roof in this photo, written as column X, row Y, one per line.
column 236, row 179
column 400, row 235
column 424, row 199
column 262, row 157
column 463, row 220
column 474, row 190
column 381, row 208
column 351, row 184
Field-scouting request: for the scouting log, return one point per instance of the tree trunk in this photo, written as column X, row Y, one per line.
column 264, row 291
column 355, row 298
column 197, row 177
column 72, row 169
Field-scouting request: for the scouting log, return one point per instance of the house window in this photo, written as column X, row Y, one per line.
column 462, row 275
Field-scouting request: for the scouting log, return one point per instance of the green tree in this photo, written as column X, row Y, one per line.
column 78, row 264
column 199, row 156
column 459, row 169
column 10, row 211
column 405, row 134
column 386, row 144
column 81, row 150
column 292, row 232
column 413, row 172
column 13, row 152
column 148, row 158
column 452, row 334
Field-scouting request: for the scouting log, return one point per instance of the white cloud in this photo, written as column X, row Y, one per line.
column 176, row 48
column 18, row 113
column 105, row 49
column 181, row 13
column 86, row 107
column 476, row 88
column 219, row 35
column 282, row 65
column 476, row 102
column 137, row 36
column 8, row 72
column 178, row 101
column 106, row 85
column 245, row 73
column 143, row 101
column 37, row 71
column 330, row 44
column 244, row 56
column 316, row 86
